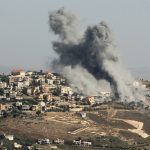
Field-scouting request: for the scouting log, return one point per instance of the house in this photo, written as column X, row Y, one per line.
column 36, row 89
column 2, row 96
column 43, row 141
column 59, row 141
column 35, row 107
column 29, row 73
column 18, row 104
column 50, row 81
column 86, row 144
column 6, row 91
column 18, row 97
column 18, row 72
column 42, row 106
column 77, row 142
column 53, row 147
column 40, row 96
column 83, row 114
column 76, row 109
column 50, row 97
column 45, row 96
column 57, row 82
column 53, row 77
column 25, row 107
column 29, row 147
column 89, row 100
column 15, row 79
column 17, row 146
column 52, row 86
column 29, row 91
column 3, row 84
column 105, row 93
column 13, row 94
column 3, row 107
column 66, row 90
column 82, row 143
column 9, row 137
column 20, row 85
column 26, row 83
column 45, row 88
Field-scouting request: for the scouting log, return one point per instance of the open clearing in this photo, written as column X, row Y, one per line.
column 70, row 125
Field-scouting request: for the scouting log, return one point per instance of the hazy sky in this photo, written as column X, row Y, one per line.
column 25, row 40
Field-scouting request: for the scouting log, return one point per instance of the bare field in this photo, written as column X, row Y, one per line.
column 37, row 129
column 69, row 125
column 137, row 116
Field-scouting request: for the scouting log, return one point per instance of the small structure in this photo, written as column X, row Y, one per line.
column 53, row 147
column 82, row 143
column 77, row 142
column 83, row 114
column 29, row 147
column 18, row 72
column 3, row 107
column 18, row 104
column 66, row 90
column 17, row 146
column 90, row 100
column 1, row 113
column 25, row 107
column 59, row 141
column 35, row 107
column 43, row 141
column 76, row 109
column 86, row 144
column 9, row 137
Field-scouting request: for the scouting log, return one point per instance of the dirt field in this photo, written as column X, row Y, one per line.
column 71, row 125
column 137, row 116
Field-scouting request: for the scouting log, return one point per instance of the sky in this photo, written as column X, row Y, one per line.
column 25, row 37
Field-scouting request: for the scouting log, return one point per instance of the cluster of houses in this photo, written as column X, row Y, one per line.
column 50, row 91
column 44, row 91
column 44, row 141
column 78, row 142
column 36, row 84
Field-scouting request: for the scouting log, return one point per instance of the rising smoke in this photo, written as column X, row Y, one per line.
column 89, row 59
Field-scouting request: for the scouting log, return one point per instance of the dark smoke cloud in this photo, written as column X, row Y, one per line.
column 89, row 59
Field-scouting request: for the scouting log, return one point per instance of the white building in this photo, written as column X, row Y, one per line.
column 66, row 90
column 9, row 137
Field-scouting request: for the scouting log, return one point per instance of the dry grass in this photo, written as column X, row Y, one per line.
column 61, row 125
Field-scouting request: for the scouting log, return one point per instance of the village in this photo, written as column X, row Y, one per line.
column 45, row 91
column 32, row 95
column 38, row 91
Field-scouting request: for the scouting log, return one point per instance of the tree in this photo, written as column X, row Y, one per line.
column 38, row 112
column 4, row 79
column 1, row 92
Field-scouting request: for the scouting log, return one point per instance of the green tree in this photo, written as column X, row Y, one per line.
column 38, row 112
column 1, row 92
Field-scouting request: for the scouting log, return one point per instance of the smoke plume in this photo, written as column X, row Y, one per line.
column 90, row 58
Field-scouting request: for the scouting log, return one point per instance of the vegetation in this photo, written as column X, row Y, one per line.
column 38, row 112
column 1, row 92
column 23, row 140
column 4, row 78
